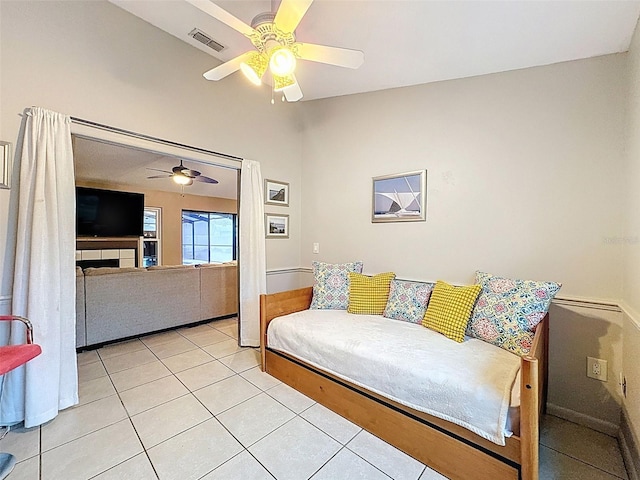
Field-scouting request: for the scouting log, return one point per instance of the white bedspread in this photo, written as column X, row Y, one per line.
column 466, row 383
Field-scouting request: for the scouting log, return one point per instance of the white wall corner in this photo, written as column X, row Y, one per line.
column 631, row 313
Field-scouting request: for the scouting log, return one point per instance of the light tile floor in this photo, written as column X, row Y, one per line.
column 191, row 404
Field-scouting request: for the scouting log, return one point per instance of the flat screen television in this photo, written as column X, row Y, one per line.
column 108, row 213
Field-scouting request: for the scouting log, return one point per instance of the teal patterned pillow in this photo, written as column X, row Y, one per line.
column 331, row 287
column 408, row 300
column 508, row 311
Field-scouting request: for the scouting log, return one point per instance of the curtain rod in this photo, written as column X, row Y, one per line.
column 141, row 136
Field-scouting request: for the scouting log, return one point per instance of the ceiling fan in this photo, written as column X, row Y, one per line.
column 183, row 175
column 272, row 34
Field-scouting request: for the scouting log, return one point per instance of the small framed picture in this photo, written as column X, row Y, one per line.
column 400, row 197
column 277, row 226
column 5, row 165
column 276, row 193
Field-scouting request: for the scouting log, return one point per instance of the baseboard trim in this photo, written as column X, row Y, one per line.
column 629, row 447
column 627, row 456
column 593, row 423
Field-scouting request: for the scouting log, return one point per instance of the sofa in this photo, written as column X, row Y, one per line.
column 118, row 303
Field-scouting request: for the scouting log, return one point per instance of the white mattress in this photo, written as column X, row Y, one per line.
column 469, row 383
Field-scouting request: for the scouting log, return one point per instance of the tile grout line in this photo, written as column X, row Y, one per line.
column 375, row 466
column 100, row 360
column 328, row 460
column 343, row 446
column 583, row 462
column 144, row 449
column 213, row 416
column 189, row 393
column 94, row 431
column 236, row 455
column 244, row 448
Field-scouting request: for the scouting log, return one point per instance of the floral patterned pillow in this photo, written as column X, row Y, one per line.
column 331, row 287
column 508, row 311
column 408, row 300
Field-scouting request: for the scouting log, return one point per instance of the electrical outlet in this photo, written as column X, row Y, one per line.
column 597, row 368
column 316, row 248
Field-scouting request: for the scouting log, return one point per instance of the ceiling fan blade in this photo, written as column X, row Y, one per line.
column 293, row 93
column 342, row 57
column 221, row 14
column 161, row 176
column 227, row 68
column 202, row 178
column 158, row 170
column 290, row 13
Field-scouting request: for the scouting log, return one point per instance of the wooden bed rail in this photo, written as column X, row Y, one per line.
column 520, row 451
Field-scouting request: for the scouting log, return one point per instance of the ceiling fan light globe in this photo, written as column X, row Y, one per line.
column 181, row 179
column 280, row 83
column 254, row 68
column 282, row 62
column 251, row 75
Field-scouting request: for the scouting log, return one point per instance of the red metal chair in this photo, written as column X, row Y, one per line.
column 12, row 356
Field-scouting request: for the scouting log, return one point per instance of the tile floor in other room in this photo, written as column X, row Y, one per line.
column 191, row 404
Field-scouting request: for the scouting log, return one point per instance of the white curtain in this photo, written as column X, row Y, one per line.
column 44, row 277
column 253, row 270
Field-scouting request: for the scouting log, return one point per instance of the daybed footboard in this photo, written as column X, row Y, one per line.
column 448, row 448
column 277, row 305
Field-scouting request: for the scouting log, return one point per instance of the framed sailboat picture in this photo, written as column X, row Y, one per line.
column 400, row 198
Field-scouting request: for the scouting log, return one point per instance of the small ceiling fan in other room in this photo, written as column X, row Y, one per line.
column 272, row 34
column 183, row 175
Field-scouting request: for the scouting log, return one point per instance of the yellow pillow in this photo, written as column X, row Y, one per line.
column 450, row 309
column 369, row 295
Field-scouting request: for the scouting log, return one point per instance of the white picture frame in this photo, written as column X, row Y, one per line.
column 400, row 197
column 276, row 193
column 276, row 225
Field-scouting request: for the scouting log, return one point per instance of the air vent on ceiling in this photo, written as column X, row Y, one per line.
column 205, row 39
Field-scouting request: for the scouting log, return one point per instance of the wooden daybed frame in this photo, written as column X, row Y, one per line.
column 445, row 447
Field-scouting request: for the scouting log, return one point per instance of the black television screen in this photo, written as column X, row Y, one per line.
column 107, row 213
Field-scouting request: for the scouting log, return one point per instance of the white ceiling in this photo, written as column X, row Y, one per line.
column 409, row 42
column 102, row 162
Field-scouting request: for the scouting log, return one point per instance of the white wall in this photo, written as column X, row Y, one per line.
column 524, row 175
column 93, row 60
column 524, row 179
